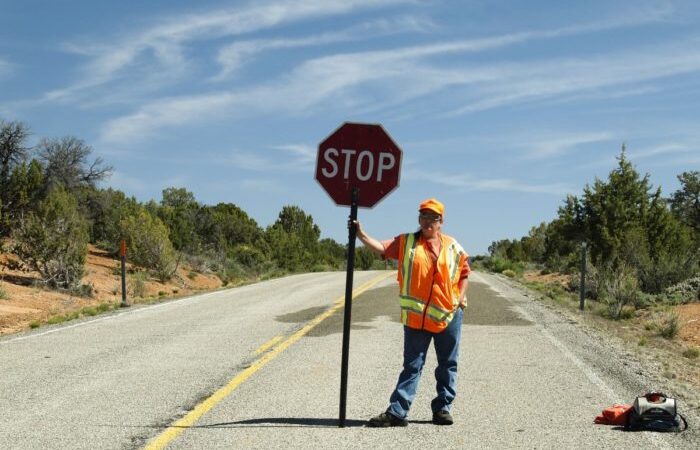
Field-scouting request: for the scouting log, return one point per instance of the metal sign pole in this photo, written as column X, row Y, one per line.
column 582, row 300
column 122, row 253
column 352, row 233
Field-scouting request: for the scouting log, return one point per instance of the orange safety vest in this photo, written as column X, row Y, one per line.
column 429, row 291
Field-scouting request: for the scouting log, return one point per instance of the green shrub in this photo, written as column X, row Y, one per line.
column 199, row 263
column 56, row 320
column 498, row 265
column 627, row 312
column 478, row 263
column 53, row 241
column 645, row 300
column 149, row 244
column 668, row 269
column 380, row 265
column 274, row 273
column 248, row 256
column 231, row 271
column 320, row 267
column 509, row 273
column 84, row 290
column 138, row 284
column 34, row 324
column 3, row 293
column 618, row 288
column 102, row 307
column 568, row 263
column 364, row 258
column 89, row 311
column 554, row 290
column 692, row 353
column 592, row 281
column 642, row 341
column 684, row 292
column 668, row 324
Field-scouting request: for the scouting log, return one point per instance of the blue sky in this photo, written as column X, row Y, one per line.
column 501, row 107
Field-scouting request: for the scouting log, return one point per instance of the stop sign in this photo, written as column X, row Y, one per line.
column 361, row 156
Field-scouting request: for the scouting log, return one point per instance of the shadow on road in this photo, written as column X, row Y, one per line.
column 486, row 307
column 285, row 422
column 282, row 422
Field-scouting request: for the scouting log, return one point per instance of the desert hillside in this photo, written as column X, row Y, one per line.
column 25, row 303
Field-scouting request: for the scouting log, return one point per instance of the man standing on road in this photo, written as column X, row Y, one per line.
column 433, row 271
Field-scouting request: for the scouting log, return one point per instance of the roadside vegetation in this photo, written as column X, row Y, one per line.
column 642, row 248
column 642, row 257
column 53, row 206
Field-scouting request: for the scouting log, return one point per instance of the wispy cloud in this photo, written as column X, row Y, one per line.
column 165, row 42
column 674, row 154
column 295, row 158
column 541, row 148
column 469, row 182
column 535, row 81
column 162, row 113
column 658, row 150
column 401, row 75
column 248, row 161
column 232, row 56
column 302, row 154
column 263, row 185
column 162, row 47
column 6, row 68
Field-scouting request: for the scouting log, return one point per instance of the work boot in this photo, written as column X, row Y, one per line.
column 442, row 418
column 386, row 419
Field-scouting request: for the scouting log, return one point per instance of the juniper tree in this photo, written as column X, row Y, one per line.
column 53, row 240
column 685, row 202
column 13, row 151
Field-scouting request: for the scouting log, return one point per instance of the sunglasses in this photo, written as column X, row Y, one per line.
column 429, row 217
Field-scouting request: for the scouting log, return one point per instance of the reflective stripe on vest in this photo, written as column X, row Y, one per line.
column 418, row 306
column 407, row 262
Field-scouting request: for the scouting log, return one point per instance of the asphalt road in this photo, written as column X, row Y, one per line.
column 256, row 367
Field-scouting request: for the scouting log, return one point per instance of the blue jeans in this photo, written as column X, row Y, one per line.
column 415, row 348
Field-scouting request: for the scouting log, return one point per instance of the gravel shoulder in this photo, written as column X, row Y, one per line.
column 628, row 370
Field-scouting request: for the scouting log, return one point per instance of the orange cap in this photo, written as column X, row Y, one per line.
column 433, row 205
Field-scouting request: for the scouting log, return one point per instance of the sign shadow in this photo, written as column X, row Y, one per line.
column 286, row 422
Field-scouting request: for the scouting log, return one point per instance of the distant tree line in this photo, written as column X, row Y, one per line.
column 51, row 207
column 641, row 246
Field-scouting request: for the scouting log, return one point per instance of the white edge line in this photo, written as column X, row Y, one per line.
column 113, row 316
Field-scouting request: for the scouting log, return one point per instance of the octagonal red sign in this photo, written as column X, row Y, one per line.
column 362, row 156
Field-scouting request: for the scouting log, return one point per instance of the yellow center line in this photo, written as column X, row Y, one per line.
column 266, row 346
column 174, row 430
